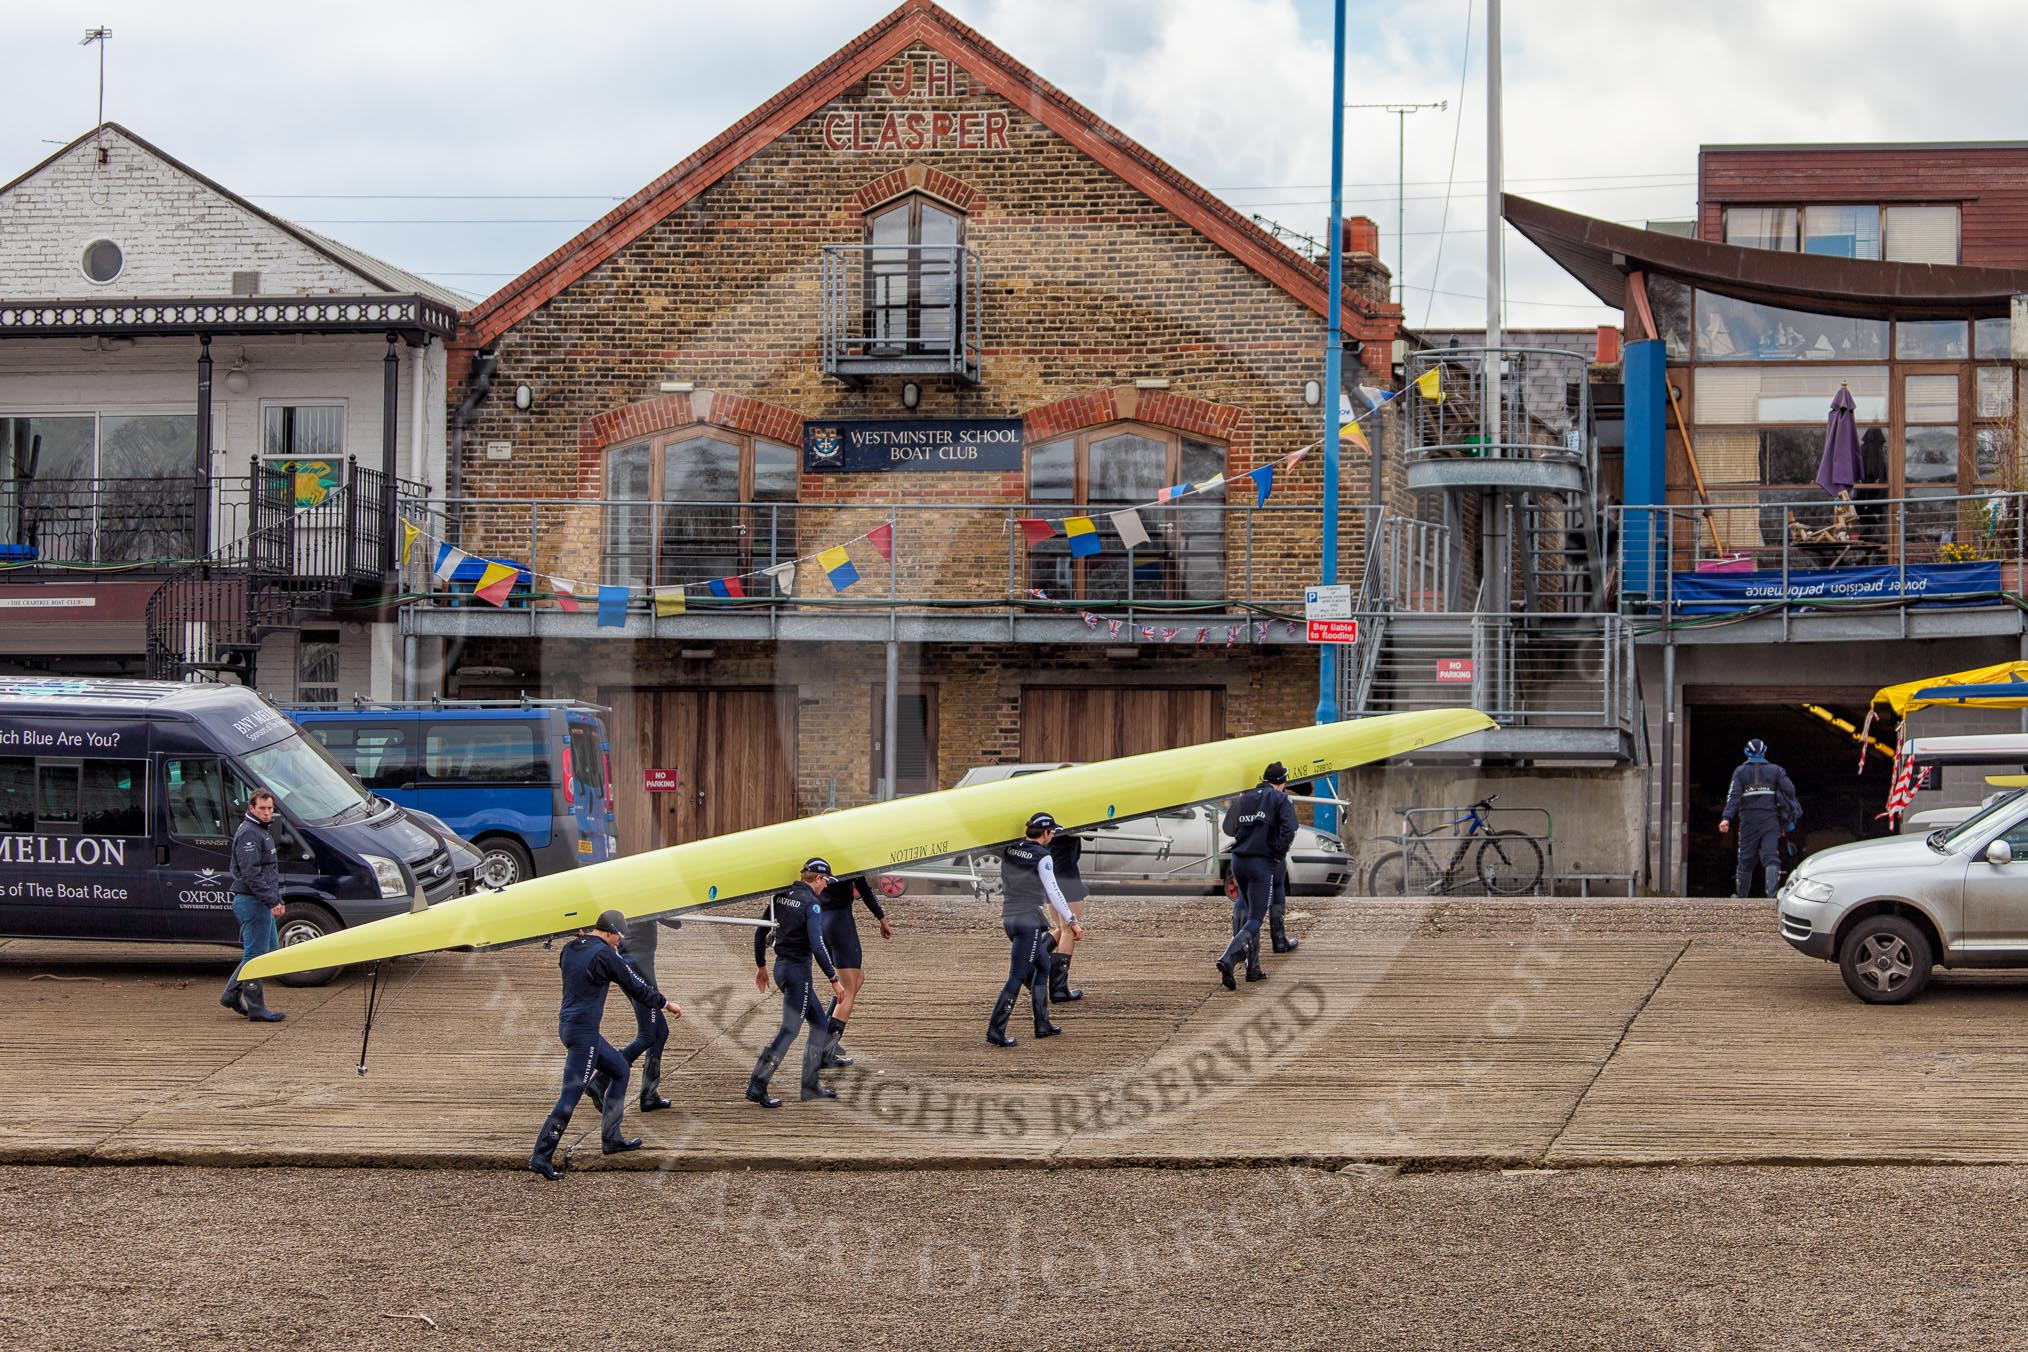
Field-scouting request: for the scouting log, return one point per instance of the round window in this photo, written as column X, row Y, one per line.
column 103, row 260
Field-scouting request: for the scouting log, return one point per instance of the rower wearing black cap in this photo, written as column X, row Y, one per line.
column 1028, row 882
column 798, row 928
column 590, row 963
column 1262, row 824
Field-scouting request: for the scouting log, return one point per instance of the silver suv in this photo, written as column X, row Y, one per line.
column 1888, row 911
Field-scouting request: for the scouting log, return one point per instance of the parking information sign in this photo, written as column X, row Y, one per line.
column 1328, row 611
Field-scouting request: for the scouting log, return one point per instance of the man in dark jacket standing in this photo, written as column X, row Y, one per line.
column 1028, row 892
column 256, row 904
column 1763, row 801
column 590, row 963
column 1262, row 824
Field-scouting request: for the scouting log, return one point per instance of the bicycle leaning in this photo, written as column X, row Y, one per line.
column 1505, row 863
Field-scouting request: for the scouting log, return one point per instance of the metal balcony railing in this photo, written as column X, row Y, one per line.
column 1502, row 403
column 116, row 522
column 1803, row 548
column 1198, row 556
column 902, row 310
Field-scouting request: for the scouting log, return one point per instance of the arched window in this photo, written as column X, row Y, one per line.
column 698, row 503
column 1127, row 465
column 914, row 276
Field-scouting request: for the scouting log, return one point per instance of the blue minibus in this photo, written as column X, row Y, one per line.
column 527, row 782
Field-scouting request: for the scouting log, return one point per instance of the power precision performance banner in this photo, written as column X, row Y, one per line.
column 1921, row 584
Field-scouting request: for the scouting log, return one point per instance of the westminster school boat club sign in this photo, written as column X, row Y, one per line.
column 869, row 445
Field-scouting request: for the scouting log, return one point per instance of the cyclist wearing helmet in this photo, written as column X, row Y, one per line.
column 1763, row 801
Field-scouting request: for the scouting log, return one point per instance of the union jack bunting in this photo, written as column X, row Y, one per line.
column 1902, row 793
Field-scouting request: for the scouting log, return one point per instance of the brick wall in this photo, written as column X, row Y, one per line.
column 1089, row 285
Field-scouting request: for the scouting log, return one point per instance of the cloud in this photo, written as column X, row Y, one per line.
column 523, row 100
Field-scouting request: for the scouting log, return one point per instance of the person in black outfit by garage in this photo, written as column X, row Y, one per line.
column 1028, row 883
column 798, row 928
column 1262, row 824
column 841, row 936
column 1763, row 801
column 590, row 963
column 651, row 1027
column 1065, row 850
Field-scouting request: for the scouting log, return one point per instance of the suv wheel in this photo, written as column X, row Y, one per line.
column 502, row 862
column 1886, row 960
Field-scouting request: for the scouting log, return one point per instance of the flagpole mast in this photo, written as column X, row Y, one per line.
column 1327, row 654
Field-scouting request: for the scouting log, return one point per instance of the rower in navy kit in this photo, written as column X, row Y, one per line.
column 651, row 1028
column 798, row 929
column 590, row 963
column 841, row 936
column 1065, row 850
column 1262, row 824
column 1028, row 882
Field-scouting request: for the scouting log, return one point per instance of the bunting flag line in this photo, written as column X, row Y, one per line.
column 409, row 532
column 1260, row 632
column 1203, row 634
column 1173, row 492
column 612, row 607
column 1113, row 628
column 566, row 595
column 1294, row 456
column 1215, row 481
column 727, row 589
column 1263, row 483
column 1430, row 384
column 495, row 582
column 1350, row 432
column 837, row 565
column 1147, row 633
column 1038, row 593
column 670, row 601
column 1292, row 627
column 1083, row 536
column 449, row 556
column 1168, row 635
column 1374, row 398
column 1128, row 524
column 783, row 576
column 1231, row 634
column 1037, row 530
column 882, row 540
column 1090, row 620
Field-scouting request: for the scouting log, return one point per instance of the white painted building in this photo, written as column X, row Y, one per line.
column 185, row 377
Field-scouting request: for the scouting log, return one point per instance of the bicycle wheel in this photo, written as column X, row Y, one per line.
column 1401, row 873
column 1510, row 863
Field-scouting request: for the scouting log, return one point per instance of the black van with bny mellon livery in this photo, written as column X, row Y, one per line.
column 118, row 801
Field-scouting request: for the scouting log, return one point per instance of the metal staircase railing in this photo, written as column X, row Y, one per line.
column 307, row 548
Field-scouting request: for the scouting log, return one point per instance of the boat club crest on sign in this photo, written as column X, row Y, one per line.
column 826, row 449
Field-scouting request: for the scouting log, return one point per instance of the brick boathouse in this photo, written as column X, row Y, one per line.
column 916, row 299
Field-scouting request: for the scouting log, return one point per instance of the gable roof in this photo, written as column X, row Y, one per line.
column 915, row 21
column 381, row 275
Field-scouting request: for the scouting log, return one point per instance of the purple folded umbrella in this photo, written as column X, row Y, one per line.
column 1839, row 469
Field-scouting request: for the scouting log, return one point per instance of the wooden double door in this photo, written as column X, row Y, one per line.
column 1088, row 723
column 731, row 755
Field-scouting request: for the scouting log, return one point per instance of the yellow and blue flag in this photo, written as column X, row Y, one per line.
column 837, row 565
column 1083, row 536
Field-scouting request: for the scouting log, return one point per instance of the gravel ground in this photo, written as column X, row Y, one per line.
column 148, row 1258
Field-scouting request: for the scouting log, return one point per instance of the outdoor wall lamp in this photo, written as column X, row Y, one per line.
column 1313, row 392
column 911, row 394
column 524, row 398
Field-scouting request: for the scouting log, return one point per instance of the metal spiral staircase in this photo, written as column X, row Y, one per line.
column 208, row 619
column 1523, row 630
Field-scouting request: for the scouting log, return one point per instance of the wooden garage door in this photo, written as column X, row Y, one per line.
column 733, row 753
column 1086, row 723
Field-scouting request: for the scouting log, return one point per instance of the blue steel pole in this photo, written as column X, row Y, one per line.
column 1327, row 654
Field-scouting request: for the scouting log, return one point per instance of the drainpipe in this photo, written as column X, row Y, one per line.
column 483, row 367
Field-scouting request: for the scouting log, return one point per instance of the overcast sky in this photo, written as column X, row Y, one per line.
column 465, row 141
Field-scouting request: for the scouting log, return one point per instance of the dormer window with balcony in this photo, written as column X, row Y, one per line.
column 905, row 301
